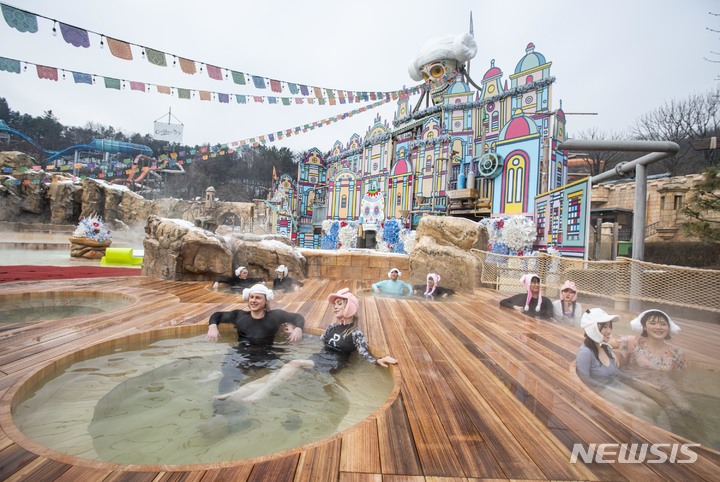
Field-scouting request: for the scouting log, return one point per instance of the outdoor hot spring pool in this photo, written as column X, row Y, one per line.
column 55, row 305
column 152, row 403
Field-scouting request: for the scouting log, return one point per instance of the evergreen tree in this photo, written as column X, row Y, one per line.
column 703, row 208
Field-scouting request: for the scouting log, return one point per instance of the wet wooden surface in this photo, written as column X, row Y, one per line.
column 484, row 393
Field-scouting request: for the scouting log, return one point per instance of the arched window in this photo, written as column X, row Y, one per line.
column 343, row 201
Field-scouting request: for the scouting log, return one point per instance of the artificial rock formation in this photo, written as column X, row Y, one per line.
column 444, row 246
column 178, row 250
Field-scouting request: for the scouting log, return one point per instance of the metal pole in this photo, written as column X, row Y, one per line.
column 638, row 236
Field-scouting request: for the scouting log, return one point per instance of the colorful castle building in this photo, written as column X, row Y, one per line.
column 461, row 150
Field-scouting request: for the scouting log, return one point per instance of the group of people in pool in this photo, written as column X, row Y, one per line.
column 610, row 364
column 392, row 286
column 643, row 373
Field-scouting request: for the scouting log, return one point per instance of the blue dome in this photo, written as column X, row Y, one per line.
column 531, row 60
column 459, row 88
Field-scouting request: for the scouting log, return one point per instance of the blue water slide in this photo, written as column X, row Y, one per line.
column 105, row 145
column 5, row 128
column 102, row 145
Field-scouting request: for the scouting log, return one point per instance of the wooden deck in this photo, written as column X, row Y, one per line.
column 484, row 393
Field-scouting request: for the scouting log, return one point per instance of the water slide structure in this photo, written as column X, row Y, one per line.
column 147, row 164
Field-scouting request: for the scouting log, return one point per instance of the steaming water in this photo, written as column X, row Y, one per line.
column 154, row 406
column 700, row 390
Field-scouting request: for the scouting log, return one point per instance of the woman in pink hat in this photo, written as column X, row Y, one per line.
column 432, row 288
column 567, row 309
column 532, row 302
column 340, row 339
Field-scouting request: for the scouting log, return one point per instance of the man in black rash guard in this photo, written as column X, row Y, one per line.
column 256, row 330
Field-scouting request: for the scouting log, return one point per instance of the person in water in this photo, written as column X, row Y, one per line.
column 651, row 356
column 283, row 282
column 393, row 286
column 432, row 289
column 567, row 309
column 596, row 366
column 239, row 280
column 530, row 303
column 340, row 340
column 256, row 332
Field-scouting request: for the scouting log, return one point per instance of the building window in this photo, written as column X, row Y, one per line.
column 399, row 200
column 343, row 201
column 662, row 202
column 678, row 202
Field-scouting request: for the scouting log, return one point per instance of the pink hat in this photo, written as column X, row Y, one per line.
column 352, row 302
column 436, row 279
column 570, row 285
column 526, row 280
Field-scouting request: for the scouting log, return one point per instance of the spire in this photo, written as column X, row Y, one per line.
column 472, row 34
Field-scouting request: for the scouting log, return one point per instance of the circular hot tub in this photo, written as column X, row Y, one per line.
column 54, row 305
column 151, row 399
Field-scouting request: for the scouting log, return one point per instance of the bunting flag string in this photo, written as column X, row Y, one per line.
column 123, row 167
column 25, row 21
column 204, row 153
column 56, row 73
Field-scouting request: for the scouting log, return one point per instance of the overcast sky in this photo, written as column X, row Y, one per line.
column 616, row 58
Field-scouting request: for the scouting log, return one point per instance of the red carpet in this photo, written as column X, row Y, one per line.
column 10, row 274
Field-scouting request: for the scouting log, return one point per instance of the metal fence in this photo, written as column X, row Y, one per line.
column 624, row 279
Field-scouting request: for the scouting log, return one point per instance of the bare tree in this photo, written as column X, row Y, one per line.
column 679, row 121
column 595, row 162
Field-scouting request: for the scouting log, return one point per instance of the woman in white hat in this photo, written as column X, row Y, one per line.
column 650, row 356
column 596, row 366
column 239, row 280
column 283, row 282
column 340, row 339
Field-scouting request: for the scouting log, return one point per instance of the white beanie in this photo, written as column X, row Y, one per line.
column 394, row 269
column 258, row 289
column 240, row 268
column 282, row 269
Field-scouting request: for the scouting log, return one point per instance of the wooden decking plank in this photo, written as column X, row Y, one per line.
column 359, row 477
column 239, row 473
column 431, row 440
column 470, row 421
column 40, row 469
column 525, row 433
column 13, row 459
column 321, row 462
column 360, row 448
column 77, row 473
column 398, row 454
column 278, row 469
